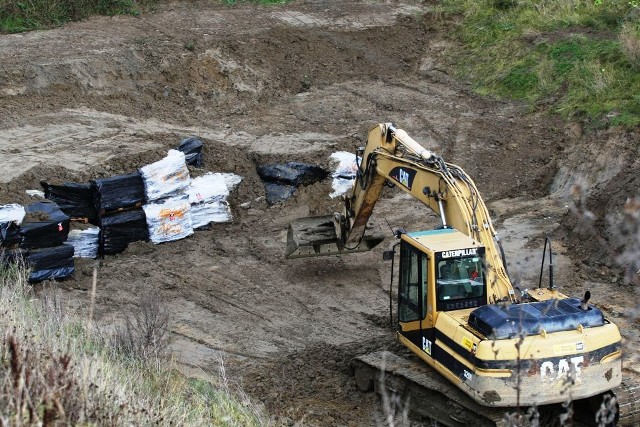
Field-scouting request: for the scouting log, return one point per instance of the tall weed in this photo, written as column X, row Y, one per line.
column 58, row 370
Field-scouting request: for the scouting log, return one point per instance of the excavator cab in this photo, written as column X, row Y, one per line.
column 445, row 267
column 440, row 270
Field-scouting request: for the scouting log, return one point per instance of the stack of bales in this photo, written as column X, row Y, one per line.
column 36, row 235
column 159, row 202
column 118, row 202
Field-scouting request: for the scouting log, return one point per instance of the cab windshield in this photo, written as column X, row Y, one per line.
column 460, row 278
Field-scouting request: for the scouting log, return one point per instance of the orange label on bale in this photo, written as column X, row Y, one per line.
column 171, row 214
column 177, row 175
column 170, row 229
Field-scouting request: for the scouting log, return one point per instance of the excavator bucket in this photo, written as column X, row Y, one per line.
column 316, row 236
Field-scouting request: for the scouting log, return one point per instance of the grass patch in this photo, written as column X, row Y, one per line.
column 25, row 15
column 56, row 370
column 257, row 1
column 577, row 58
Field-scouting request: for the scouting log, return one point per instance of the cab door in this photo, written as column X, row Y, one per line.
column 415, row 312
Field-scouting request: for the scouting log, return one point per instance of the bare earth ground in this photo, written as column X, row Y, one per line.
column 282, row 83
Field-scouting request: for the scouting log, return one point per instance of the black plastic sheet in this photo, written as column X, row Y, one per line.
column 276, row 193
column 45, row 225
column 76, row 200
column 118, row 192
column 50, row 263
column 292, row 173
column 9, row 234
column 120, row 229
column 192, row 149
column 509, row 321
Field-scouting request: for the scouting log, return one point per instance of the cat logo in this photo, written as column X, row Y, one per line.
column 426, row 346
column 404, row 176
column 565, row 368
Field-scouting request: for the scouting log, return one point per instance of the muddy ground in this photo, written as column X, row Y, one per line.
column 296, row 82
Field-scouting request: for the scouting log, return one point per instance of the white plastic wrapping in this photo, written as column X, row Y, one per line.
column 231, row 179
column 202, row 214
column 84, row 242
column 208, row 197
column 208, row 188
column 167, row 177
column 12, row 213
column 169, row 220
column 344, row 173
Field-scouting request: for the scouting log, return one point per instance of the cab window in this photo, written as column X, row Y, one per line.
column 412, row 288
column 460, row 278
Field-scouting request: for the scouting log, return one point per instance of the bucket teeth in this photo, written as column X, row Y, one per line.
column 316, row 236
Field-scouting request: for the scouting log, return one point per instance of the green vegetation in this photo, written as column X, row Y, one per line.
column 24, row 15
column 55, row 370
column 578, row 58
column 257, row 1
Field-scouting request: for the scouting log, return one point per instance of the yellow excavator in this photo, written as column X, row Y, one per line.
column 457, row 308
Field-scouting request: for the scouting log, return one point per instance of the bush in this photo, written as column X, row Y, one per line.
column 577, row 58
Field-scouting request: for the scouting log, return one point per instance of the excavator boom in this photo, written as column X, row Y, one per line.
column 391, row 156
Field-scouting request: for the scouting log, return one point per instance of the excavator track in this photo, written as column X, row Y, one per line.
column 628, row 396
column 432, row 399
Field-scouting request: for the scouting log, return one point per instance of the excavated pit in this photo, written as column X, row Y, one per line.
column 284, row 83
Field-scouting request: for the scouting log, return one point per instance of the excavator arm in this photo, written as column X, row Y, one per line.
column 392, row 157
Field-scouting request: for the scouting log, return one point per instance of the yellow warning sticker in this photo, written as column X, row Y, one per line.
column 467, row 343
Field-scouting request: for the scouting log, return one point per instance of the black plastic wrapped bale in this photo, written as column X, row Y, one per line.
column 292, row 173
column 276, row 193
column 192, row 149
column 45, row 225
column 11, row 217
column 9, row 234
column 50, row 263
column 76, row 200
column 118, row 193
column 120, row 229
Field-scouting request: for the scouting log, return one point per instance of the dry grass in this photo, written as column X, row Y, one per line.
column 55, row 370
column 629, row 39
